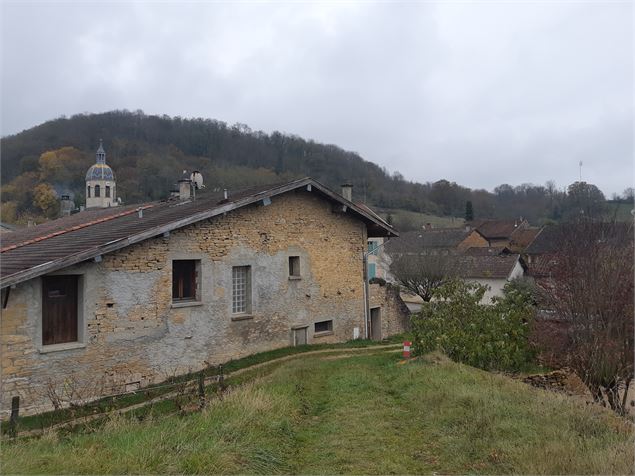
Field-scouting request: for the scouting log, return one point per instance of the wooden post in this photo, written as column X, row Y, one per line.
column 221, row 378
column 201, row 389
column 15, row 412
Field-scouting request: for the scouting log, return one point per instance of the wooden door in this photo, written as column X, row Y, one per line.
column 59, row 309
column 299, row 336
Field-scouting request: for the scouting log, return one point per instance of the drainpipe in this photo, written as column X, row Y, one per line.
column 366, row 294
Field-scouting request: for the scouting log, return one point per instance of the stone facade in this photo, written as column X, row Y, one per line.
column 132, row 334
column 395, row 316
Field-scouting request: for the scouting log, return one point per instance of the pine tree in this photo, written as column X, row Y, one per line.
column 469, row 211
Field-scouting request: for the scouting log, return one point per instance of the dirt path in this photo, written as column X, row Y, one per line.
column 338, row 353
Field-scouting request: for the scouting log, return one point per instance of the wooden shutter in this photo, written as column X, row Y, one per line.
column 59, row 309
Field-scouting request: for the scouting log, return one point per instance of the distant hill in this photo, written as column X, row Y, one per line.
column 148, row 154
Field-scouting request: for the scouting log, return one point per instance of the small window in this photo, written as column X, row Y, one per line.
column 323, row 326
column 372, row 247
column 97, row 191
column 88, row 191
column 241, row 289
column 107, row 191
column 185, row 280
column 294, row 266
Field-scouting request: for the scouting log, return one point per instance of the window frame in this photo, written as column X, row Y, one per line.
column 79, row 343
column 195, row 275
column 245, row 309
column 327, row 331
column 294, row 267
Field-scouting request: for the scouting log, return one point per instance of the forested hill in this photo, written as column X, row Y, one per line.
column 148, row 154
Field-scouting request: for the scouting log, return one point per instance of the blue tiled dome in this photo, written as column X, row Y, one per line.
column 100, row 172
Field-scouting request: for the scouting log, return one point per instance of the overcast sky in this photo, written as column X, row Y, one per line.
column 481, row 93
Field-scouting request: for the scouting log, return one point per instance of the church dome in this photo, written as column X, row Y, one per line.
column 100, row 172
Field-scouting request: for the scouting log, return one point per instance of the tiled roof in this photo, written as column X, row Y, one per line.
column 492, row 229
column 492, row 267
column 522, row 238
column 546, row 241
column 486, row 251
column 416, row 241
column 60, row 243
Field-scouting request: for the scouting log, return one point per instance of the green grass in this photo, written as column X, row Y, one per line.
column 352, row 414
column 405, row 220
column 108, row 404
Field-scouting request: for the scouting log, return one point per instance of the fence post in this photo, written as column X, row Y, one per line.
column 221, row 378
column 15, row 412
column 201, row 389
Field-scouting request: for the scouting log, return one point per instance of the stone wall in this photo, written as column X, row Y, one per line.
column 131, row 334
column 395, row 316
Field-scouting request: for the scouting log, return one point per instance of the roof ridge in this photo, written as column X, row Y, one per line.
column 73, row 228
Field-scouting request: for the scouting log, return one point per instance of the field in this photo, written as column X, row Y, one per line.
column 405, row 220
column 351, row 413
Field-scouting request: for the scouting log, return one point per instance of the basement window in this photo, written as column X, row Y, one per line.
column 323, row 327
column 294, row 267
column 185, row 274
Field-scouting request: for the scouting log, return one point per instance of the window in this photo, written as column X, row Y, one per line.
column 59, row 309
column 372, row 270
column 323, row 326
column 88, row 191
column 107, row 191
column 241, row 289
column 97, row 194
column 185, row 280
column 373, row 246
column 294, row 266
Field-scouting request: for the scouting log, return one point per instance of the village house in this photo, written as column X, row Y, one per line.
column 116, row 298
column 460, row 252
column 515, row 235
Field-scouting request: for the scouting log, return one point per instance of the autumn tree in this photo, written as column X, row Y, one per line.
column 45, row 198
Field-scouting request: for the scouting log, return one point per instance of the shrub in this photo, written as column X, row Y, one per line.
column 491, row 337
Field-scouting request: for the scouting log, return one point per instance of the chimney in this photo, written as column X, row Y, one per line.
column 185, row 186
column 66, row 205
column 347, row 191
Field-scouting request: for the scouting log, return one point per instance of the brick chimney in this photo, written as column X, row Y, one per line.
column 66, row 205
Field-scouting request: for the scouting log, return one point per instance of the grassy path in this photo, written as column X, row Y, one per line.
column 363, row 414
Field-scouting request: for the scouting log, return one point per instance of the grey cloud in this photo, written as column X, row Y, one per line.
column 479, row 93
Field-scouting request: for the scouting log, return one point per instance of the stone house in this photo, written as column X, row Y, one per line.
column 116, row 298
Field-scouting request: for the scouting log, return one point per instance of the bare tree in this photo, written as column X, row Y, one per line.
column 591, row 289
column 422, row 274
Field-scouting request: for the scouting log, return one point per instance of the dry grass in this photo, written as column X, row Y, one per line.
column 363, row 414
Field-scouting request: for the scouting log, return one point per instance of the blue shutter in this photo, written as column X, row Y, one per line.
column 371, row 270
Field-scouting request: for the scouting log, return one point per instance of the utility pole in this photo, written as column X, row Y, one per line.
column 580, row 171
